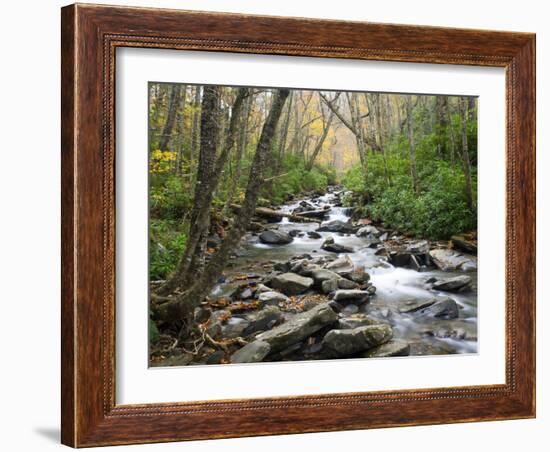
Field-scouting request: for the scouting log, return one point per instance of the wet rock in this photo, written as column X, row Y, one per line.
column 346, row 284
column 419, row 247
column 391, row 348
column 336, row 307
column 314, row 235
column 410, row 306
column 341, row 265
column 463, row 243
column 246, row 293
column 350, row 309
column 318, row 213
column 445, row 308
column 400, row 258
column 419, row 348
column 233, row 328
column 182, row 359
column 374, row 242
column 355, row 321
column 274, row 237
column 271, row 298
column 216, row 357
column 291, row 283
column 330, row 245
column 455, row 329
column 367, row 231
column 322, row 274
column 336, row 226
column 261, row 288
column 415, row 264
column 263, row 320
column 383, row 237
column 359, row 276
column 448, row 260
column 456, row 284
column 350, row 342
column 330, row 285
column 294, row 232
column 299, row 327
column 351, row 296
column 251, row 353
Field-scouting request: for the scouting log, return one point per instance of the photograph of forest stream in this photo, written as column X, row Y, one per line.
column 296, row 224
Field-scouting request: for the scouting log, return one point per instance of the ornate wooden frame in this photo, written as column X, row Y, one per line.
column 90, row 35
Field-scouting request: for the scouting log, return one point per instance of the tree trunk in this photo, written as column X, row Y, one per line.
column 182, row 307
column 465, row 153
column 241, row 148
column 195, row 134
column 320, row 142
column 380, row 136
column 180, row 131
column 170, row 118
column 412, row 157
column 209, row 172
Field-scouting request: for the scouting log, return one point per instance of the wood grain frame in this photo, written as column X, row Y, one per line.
column 90, row 36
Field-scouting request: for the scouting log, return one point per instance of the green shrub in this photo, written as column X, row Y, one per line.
column 168, row 197
column 438, row 211
column 166, row 246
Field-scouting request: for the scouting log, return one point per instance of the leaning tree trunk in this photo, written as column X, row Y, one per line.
column 208, row 177
column 182, row 307
column 320, row 142
column 170, row 118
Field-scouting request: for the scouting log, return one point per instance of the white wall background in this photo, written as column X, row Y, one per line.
column 29, row 250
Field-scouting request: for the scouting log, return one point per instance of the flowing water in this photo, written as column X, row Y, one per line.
column 395, row 286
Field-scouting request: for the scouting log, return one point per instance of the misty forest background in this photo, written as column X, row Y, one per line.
column 217, row 153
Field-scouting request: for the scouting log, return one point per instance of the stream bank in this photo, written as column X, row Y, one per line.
column 312, row 283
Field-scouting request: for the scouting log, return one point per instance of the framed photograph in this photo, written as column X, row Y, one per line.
column 281, row 225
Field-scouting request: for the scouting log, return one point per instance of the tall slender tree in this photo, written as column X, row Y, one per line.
column 182, row 307
column 170, row 118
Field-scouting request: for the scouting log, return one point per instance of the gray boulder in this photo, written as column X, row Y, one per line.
column 314, row 235
column 299, row 327
column 330, row 285
column 391, row 348
column 355, row 321
column 340, row 265
column 251, row 353
column 351, row 342
column 347, row 284
column 320, row 275
column 234, row 327
column 262, row 320
column 330, row 245
column 367, row 231
column 274, row 237
column 336, row 226
column 271, row 298
column 351, row 296
column 445, row 308
column 291, row 283
column 410, row 306
column 448, row 260
column 456, row 284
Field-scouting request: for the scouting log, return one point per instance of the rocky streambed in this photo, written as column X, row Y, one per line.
column 311, row 281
